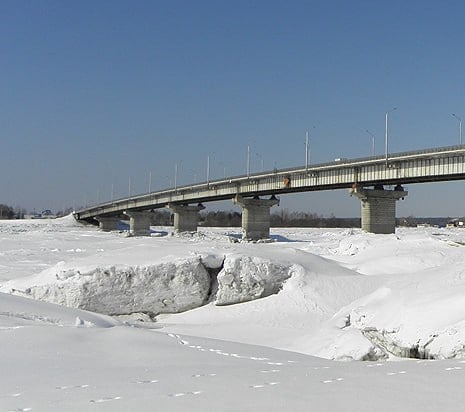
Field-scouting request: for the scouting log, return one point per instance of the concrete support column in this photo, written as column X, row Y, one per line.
column 186, row 217
column 255, row 216
column 379, row 208
column 139, row 223
column 107, row 223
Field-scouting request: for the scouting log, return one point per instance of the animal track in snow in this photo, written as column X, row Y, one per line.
column 264, row 384
column 180, row 394
column 146, row 381
column 375, row 365
column 454, row 368
column 204, row 375
column 333, row 380
column 72, row 386
column 179, row 339
column 106, row 399
column 11, row 395
column 396, row 373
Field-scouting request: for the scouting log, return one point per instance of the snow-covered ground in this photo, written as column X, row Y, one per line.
column 261, row 327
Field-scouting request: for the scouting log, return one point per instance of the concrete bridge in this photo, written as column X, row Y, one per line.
column 367, row 178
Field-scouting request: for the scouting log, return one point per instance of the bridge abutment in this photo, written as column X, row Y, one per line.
column 379, row 208
column 186, row 217
column 255, row 216
column 107, row 223
column 139, row 223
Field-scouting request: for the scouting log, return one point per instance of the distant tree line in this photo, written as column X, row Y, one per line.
column 6, row 212
column 283, row 218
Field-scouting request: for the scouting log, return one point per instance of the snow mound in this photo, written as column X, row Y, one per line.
column 17, row 311
column 245, row 278
column 166, row 286
column 158, row 288
column 416, row 316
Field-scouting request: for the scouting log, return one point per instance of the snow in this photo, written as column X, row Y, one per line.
column 206, row 322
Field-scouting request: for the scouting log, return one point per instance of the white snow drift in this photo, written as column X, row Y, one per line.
column 338, row 294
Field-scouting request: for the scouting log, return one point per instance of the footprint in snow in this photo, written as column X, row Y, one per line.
column 454, row 368
column 116, row 398
column 332, row 380
column 396, row 373
column 270, row 371
column 72, row 387
column 275, row 363
column 264, row 385
column 11, row 395
column 204, row 375
column 146, row 381
column 180, row 394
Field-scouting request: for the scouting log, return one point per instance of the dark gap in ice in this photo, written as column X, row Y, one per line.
column 213, row 272
column 384, row 346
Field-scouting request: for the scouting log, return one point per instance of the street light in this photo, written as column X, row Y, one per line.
column 175, row 176
column 262, row 161
column 372, row 142
column 386, row 142
column 460, row 126
column 208, row 169
column 306, row 150
column 248, row 161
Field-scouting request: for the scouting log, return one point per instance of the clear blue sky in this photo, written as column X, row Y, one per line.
column 96, row 92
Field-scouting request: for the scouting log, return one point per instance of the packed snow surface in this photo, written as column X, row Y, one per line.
column 205, row 322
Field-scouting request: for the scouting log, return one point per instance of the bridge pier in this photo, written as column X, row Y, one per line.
column 379, row 208
column 255, row 216
column 186, row 217
column 139, row 223
column 107, row 223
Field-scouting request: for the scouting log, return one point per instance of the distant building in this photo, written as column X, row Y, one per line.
column 457, row 222
column 45, row 214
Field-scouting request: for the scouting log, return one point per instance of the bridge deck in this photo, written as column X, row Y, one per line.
column 431, row 165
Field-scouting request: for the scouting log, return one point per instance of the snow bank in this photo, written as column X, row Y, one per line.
column 159, row 288
column 245, row 278
column 170, row 286
column 16, row 311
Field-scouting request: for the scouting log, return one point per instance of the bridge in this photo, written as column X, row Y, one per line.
column 377, row 181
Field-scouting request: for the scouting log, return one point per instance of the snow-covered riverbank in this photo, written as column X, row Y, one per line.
column 337, row 294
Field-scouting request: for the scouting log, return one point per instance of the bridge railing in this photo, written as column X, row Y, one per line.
column 284, row 171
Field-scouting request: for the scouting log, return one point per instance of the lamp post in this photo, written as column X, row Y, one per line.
column 208, row 169
column 306, row 150
column 386, row 140
column 460, row 126
column 248, row 161
column 262, row 161
column 372, row 142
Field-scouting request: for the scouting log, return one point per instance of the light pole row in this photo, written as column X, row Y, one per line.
column 307, row 155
